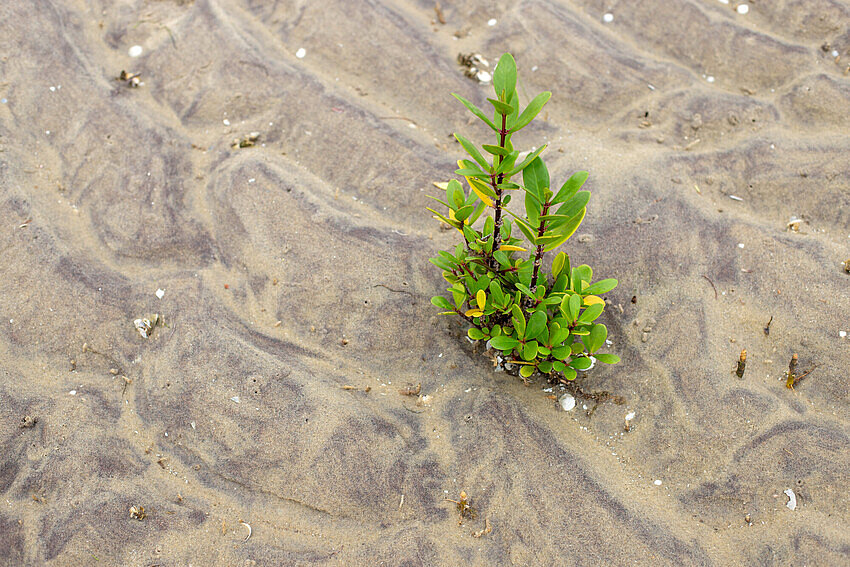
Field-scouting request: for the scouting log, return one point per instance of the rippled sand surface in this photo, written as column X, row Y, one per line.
column 295, row 277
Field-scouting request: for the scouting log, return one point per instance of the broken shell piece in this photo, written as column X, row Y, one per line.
column 483, row 77
column 567, row 402
column 630, row 416
column 160, row 293
column 792, row 499
column 138, row 513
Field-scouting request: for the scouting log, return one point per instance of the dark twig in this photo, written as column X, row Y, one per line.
column 712, row 285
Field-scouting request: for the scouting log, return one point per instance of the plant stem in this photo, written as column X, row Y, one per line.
column 497, row 217
column 538, row 255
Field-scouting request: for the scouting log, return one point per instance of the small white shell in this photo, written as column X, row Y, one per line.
column 301, row 53
column 135, row 51
column 160, row 293
column 567, row 401
column 792, row 499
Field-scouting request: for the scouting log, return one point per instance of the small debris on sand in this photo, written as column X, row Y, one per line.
column 135, row 51
column 792, row 499
column 301, row 53
column 138, row 513
column 28, row 421
column 246, row 141
column 608, row 18
column 146, row 325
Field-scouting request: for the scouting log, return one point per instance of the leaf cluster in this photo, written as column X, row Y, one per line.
column 539, row 321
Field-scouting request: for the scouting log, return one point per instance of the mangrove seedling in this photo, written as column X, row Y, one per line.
column 538, row 321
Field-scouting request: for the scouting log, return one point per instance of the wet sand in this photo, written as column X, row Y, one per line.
column 295, row 276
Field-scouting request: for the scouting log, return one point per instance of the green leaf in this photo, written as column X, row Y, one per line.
column 602, row 286
column 503, row 342
column 470, row 172
column 571, row 305
column 497, row 293
column 504, row 77
column 476, row 111
column 495, row 150
column 561, row 352
column 558, row 264
column 501, row 107
column 533, row 109
column 596, row 338
column 569, row 373
column 591, row 313
column 581, row 363
column 463, row 213
column 479, row 208
column 475, row 334
column 442, row 263
column 528, row 159
column 570, row 187
column 607, row 358
column 574, row 204
column 558, row 366
column 536, row 324
column 526, row 371
column 519, row 320
column 535, row 177
column 529, row 351
column 565, row 231
column 527, row 230
column 472, row 151
column 583, row 272
column 454, row 194
column 545, row 367
column 442, row 302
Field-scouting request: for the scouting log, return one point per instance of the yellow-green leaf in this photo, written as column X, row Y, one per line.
column 481, row 298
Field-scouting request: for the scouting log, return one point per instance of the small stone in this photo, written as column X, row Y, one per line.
column 657, row 482
column 491, row 22
column 135, row 51
column 608, row 18
column 160, row 293
column 743, row 8
column 235, row 399
column 301, row 53
column 644, row 337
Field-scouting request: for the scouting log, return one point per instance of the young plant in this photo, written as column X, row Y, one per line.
column 538, row 321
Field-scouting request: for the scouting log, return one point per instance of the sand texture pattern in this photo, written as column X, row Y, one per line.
column 296, row 286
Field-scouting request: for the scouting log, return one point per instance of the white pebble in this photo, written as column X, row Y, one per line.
column 608, row 18
column 724, row 1
column 630, row 416
column 235, row 399
column 743, row 8
column 842, row 334
column 735, row 198
column 135, row 51
column 740, row 245
column 657, row 482
column 710, row 79
column 226, row 122
column 834, row 53
column 491, row 22
column 301, row 53
column 73, row 392
column 567, row 401
column 160, row 293
column 483, row 77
